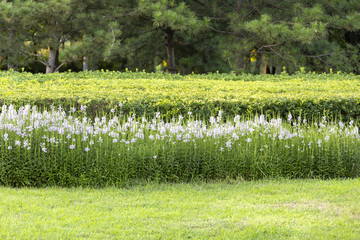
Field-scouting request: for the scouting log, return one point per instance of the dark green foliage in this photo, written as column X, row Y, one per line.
column 191, row 36
column 181, row 162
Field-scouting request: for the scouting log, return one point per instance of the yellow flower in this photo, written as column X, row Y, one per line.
column 253, row 55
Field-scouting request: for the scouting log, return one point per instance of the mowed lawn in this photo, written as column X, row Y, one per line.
column 271, row 209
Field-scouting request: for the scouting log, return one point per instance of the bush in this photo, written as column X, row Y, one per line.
column 308, row 95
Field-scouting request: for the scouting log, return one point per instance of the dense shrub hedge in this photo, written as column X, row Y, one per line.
column 305, row 94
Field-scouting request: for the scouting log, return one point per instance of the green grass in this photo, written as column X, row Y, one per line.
column 272, row 209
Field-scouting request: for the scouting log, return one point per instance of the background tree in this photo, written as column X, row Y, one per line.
column 204, row 35
column 172, row 17
column 11, row 39
column 59, row 26
column 282, row 33
column 340, row 49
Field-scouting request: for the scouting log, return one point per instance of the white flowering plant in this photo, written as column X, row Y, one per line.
column 54, row 148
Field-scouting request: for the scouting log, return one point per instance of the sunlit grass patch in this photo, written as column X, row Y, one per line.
column 277, row 209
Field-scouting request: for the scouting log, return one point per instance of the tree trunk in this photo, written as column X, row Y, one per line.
column 85, row 64
column 258, row 64
column 9, row 63
column 36, row 65
column 85, row 59
column 53, row 60
column 266, row 68
column 10, row 56
column 273, row 70
column 171, row 67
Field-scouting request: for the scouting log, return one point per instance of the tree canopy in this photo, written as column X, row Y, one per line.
column 180, row 36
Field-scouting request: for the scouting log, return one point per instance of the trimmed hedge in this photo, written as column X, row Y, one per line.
column 308, row 95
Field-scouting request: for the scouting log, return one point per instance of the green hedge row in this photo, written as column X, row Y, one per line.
column 308, row 95
column 346, row 108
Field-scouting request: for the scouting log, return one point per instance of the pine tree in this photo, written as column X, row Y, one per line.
column 172, row 17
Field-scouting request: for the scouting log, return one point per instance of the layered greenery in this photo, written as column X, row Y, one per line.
column 296, row 209
column 54, row 148
column 308, row 95
column 113, row 128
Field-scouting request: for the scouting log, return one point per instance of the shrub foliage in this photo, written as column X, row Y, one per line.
column 302, row 94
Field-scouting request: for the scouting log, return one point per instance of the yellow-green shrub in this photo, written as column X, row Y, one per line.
column 305, row 94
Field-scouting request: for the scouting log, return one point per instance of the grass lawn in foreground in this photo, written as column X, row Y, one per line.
column 272, row 209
